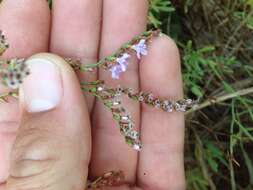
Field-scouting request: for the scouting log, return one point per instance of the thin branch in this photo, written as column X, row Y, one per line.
column 219, row 99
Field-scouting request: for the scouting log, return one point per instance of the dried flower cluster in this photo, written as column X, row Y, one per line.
column 163, row 104
column 113, row 178
column 111, row 98
column 15, row 70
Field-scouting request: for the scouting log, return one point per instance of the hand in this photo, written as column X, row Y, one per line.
column 77, row 31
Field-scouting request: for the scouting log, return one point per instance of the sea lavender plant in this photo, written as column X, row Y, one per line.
column 14, row 71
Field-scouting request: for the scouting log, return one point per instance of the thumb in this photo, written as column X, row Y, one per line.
column 52, row 149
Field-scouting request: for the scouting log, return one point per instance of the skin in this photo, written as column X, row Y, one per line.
column 91, row 30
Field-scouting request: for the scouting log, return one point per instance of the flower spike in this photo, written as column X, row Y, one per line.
column 14, row 71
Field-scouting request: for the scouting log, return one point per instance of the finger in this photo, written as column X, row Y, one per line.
column 121, row 22
column 162, row 134
column 52, row 149
column 76, row 32
column 26, row 26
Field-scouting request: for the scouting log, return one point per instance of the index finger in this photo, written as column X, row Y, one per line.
column 76, row 33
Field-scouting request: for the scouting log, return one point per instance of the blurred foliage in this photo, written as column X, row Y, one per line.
column 156, row 10
column 215, row 39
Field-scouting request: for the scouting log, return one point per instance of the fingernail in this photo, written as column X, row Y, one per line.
column 42, row 89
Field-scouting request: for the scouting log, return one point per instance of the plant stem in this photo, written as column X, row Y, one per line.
column 126, row 47
column 219, row 99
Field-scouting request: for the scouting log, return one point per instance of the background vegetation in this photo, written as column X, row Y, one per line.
column 216, row 42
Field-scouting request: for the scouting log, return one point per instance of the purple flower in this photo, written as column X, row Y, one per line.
column 120, row 66
column 116, row 70
column 140, row 48
column 122, row 61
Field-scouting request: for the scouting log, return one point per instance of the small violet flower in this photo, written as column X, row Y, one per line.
column 122, row 61
column 140, row 48
column 120, row 66
column 116, row 70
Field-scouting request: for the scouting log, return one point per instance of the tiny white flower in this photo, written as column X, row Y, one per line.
column 137, row 146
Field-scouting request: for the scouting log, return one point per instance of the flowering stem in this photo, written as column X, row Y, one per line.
column 16, row 70
column 222, row 98
column 124, row 48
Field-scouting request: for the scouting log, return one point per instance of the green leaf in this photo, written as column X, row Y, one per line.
column 205, row 49
column 196, row 90
column 248, row 162
column 213, row 164
column 196, row 180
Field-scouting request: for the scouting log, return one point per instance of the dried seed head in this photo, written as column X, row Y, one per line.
column 125, row 129
column 134, row 143
column 157, row 103
column 150, row 98
column 100, row 88
column 167, row 106
column 133, row 134
column 15, row 73
column 119, row 90
column 181, row 107
column 116, row 103
column 129, row 91
column 3, row 43
column 189, row 101
column 137, row 146
column 125, row 118
column 141, row 98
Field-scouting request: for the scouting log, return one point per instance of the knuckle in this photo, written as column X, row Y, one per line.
column 42, row 160
column 33, row 154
